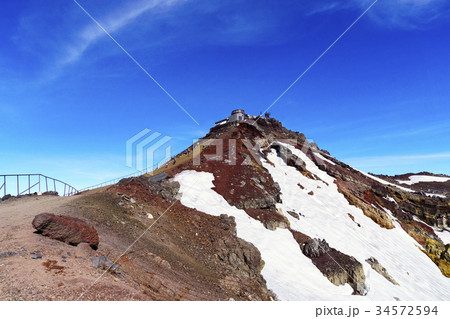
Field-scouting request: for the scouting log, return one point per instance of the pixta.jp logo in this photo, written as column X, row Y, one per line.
column 144, row 148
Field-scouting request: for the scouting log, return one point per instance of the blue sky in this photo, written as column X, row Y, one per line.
column 70, row 98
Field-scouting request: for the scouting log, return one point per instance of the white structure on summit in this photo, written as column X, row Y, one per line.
column 236, row 116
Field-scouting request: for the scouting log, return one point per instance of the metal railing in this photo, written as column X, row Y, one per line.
column 135, row 174
column 117, row 179
column 14, row 185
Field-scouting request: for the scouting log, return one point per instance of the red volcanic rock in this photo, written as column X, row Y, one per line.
column 67, row 229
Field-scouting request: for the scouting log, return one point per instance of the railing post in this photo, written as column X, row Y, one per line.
column 68, row 189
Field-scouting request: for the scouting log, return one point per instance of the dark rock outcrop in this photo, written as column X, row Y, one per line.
column 67, row 229
column 290, row 159
column 257, row 203
column 315, row 248
column 140, row 187
column 240, row 255
column 381, row 270
column 167, row 189
column 270, row 218
column 439, row 254
column 338, row 267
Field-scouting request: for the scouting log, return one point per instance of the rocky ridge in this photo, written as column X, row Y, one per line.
column 187, row 254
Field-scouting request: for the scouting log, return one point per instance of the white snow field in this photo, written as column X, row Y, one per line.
column 382, row 181
column 290, row 274
column 414, row 179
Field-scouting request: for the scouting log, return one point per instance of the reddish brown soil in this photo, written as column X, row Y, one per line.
column 234, row 182
column 176, row 259
column 24, row 278
column 299, row 237
column 53, row 265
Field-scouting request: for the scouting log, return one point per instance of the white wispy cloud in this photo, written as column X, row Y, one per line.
column 410, row 14
column 392, row 13
column 321, row 7
column 112, row 22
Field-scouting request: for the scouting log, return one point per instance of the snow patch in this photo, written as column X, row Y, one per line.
column 389, row 198
column 382, row 181
column 414, row 179
column 444, row 235
column 435, row 195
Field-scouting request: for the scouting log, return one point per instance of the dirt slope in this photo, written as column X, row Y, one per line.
column 179, row 258
column 63, row 272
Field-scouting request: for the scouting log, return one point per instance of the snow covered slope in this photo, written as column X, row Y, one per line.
column 324, row 213
column 290, row 274
column 326, row 216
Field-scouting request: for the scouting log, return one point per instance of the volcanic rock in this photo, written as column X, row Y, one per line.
column 241, row 255
column 381, row 270
column 338, row 267
column 8, row 254
column 315, row 248
column 67, row 229
column 167, row 189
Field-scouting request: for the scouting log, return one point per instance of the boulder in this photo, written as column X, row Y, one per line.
column 67, row 229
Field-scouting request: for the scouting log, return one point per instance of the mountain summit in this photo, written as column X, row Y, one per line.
column 324, row 229
column 253, row 211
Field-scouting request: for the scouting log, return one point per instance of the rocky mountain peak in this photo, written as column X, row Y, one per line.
column 252, row 211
